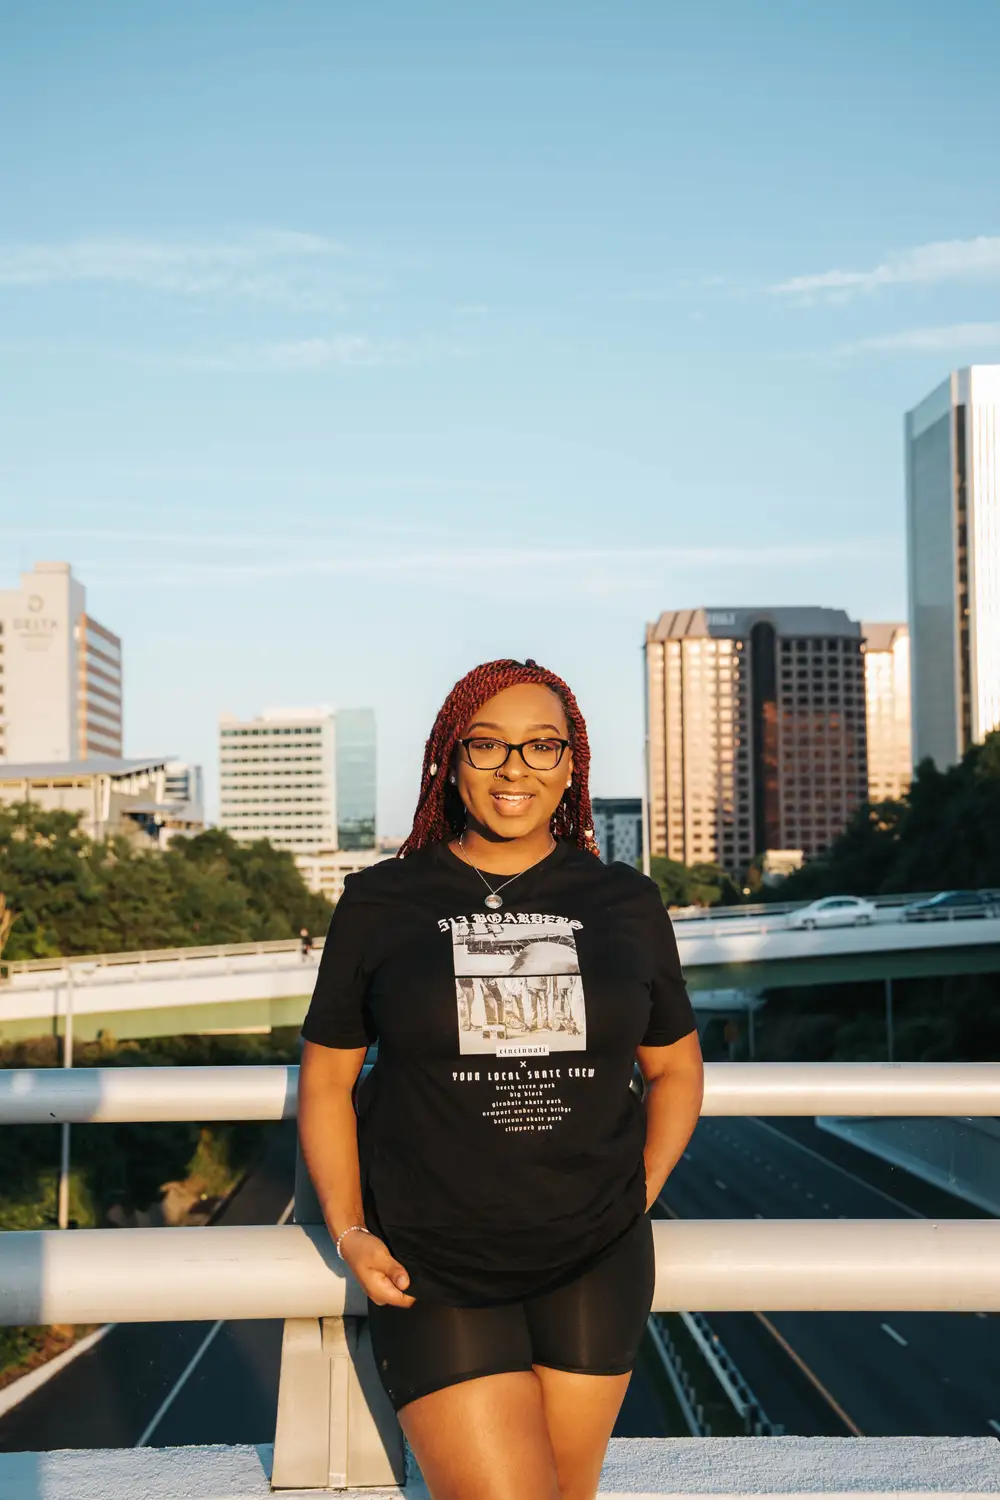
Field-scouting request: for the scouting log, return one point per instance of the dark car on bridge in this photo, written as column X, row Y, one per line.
column 953, row 906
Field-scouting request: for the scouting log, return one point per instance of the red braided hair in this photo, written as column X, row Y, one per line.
column 440, row 812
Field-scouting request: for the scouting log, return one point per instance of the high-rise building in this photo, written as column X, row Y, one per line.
column 60, row 672
column 953, row 536
column 277, row 779
column 756, row 732
column 618, row 828
column 355, row 732
column 887, row 710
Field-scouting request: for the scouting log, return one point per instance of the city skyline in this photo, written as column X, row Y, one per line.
column 333, row 396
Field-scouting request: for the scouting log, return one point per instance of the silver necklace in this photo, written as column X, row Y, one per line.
column 494, row 900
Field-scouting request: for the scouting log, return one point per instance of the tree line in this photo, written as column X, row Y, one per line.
column 64, row 893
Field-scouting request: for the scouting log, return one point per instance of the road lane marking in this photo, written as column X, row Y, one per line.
column 994, row 1424
column 181, row 1383
column 721, row 1185
column 189, row 1369
column 888, row 1328
column 793, row 1355
column 791, row 1141
column 811, row 1376
column 687, row 1156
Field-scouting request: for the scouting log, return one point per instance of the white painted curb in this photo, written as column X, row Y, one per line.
column 12, row 1395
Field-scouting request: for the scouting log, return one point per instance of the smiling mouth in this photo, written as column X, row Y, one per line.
column 512, row 801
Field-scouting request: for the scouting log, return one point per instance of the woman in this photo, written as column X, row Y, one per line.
column 490, row 1189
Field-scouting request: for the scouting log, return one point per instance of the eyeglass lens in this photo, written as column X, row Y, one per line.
column 539, row 755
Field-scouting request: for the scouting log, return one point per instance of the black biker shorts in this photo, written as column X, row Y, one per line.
column 592, row 1326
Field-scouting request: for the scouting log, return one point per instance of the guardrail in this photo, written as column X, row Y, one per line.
column 334, row 1425
column 79, row 1096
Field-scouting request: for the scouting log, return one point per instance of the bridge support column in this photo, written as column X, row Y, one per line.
column 336, row 1427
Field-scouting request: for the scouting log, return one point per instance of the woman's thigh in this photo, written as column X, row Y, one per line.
column 580, row 1415
column 484, row 1439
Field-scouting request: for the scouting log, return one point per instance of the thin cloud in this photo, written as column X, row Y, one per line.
column 944, row 260
column 264, row 263
column 940, row 340
column 596, row 566
column 346, row 351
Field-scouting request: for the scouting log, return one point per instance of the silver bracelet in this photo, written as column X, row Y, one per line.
column 360, row 1228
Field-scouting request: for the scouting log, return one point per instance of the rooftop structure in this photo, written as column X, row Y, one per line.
column 110, row 794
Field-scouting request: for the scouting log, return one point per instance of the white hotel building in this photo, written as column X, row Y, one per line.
column 277, row 779
column 953, row 536
column 60, row 672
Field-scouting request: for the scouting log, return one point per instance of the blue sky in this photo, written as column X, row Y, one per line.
column 345, row 345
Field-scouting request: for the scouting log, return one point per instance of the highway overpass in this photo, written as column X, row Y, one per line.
column 259, row 986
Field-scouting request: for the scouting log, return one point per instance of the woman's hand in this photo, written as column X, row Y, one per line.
column 379, row 1273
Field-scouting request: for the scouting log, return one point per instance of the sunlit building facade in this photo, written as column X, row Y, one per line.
column 60, row 672
column 756, row 732
column 953, row 556
column 887, row 710
column 277, row 779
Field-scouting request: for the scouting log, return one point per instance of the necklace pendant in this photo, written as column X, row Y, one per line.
column 493, row 901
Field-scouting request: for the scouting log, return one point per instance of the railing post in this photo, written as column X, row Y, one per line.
column 336, row 1427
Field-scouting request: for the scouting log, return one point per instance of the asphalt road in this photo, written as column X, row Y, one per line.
column 870, row 1373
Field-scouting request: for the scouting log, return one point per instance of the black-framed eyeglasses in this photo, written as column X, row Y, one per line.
column 487, row 754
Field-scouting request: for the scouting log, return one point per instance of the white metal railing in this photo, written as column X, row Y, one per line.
column 151, row 956
column 46, row 1096
column 290, row 1271
column 334, row 1425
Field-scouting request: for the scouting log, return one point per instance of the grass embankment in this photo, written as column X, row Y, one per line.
column 123, row 1174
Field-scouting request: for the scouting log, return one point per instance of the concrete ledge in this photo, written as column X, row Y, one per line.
column 637, row 1469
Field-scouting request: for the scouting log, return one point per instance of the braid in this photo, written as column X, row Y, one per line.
column 440, row 813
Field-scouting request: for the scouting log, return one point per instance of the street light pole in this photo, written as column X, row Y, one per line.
column 67, row 1062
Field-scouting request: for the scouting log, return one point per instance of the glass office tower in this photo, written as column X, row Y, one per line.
column 953, row 562
column 355, row 778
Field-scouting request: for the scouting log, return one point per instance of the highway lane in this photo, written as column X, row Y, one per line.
column 885, row 1373
column 108, row 1397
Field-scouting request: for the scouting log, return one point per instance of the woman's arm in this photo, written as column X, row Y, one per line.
column 328, row 1131
column 674, row 1079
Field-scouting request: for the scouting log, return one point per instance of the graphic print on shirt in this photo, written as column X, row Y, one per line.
column 518, row 988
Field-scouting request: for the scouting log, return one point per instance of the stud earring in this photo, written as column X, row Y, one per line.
column 453, row 779
column 433, row 768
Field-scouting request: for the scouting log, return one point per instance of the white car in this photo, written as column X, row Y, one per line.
column 834, row 911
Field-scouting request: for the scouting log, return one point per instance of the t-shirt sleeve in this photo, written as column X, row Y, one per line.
column 337, row 1015
column 671, row 1015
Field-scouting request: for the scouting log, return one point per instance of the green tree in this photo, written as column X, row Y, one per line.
column 67, row 894
column 692, row 885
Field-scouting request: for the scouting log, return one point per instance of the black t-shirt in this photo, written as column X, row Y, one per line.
column 500, row 1142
